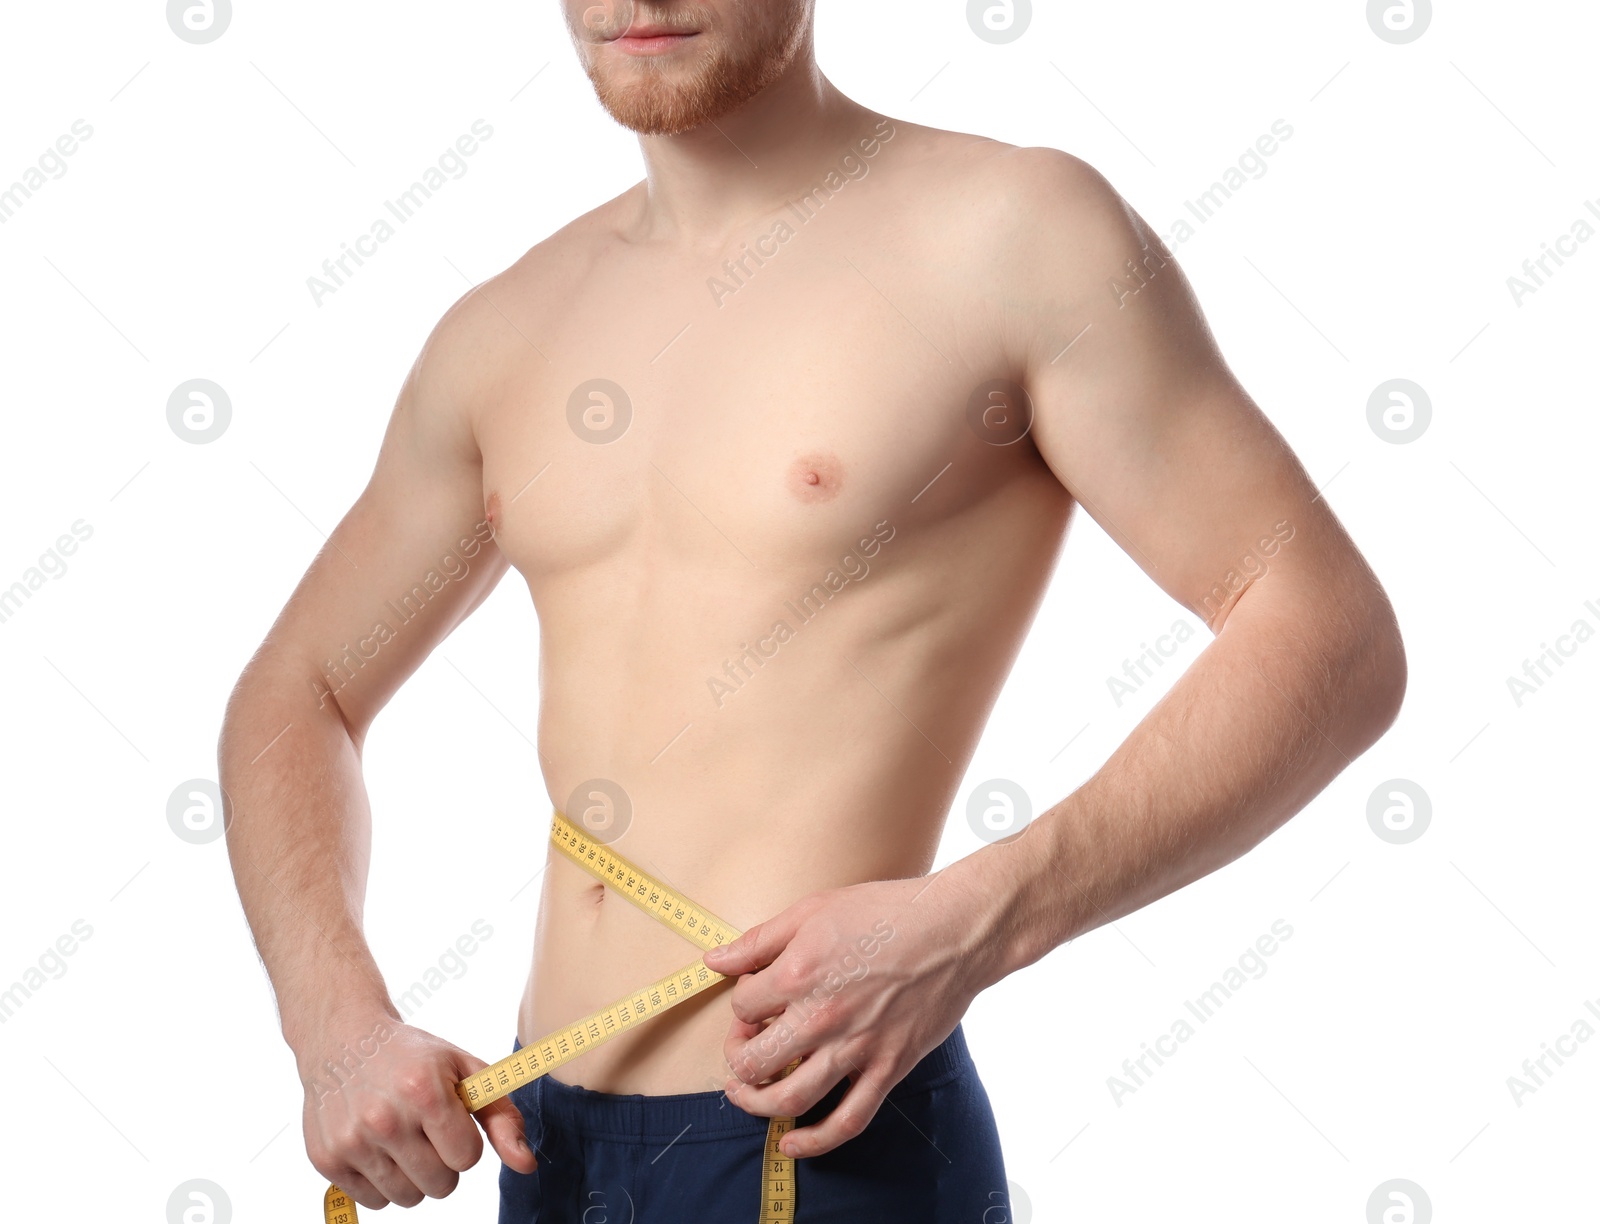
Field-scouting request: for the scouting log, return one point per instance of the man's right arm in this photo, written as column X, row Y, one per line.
column 382, row 1119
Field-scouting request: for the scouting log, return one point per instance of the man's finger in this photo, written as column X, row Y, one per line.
column 754, row 1053
column 391, row 1181
column 845, row 1121
column 758, row 946
column 502, row 1122
column 359, row 1188
column 453, row 1135
column 789, row 1096
column 760, row 996
column 418, row 1159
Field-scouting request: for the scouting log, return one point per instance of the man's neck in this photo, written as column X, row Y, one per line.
column 707, row 183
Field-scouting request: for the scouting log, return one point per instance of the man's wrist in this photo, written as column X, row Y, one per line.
column 330, row 1019
column 1021, row 906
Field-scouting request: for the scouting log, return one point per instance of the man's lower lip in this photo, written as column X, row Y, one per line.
column 653, row 45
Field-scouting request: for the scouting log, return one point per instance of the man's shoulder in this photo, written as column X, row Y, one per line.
column 1021, row 210
column 496, row 317
column 1037, row 184
column 564, row 254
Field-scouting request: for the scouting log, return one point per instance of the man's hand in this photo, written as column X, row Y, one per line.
column 860, row 981
column 382, row 1118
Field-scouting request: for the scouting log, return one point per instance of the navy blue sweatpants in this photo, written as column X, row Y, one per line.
column 930, row 1154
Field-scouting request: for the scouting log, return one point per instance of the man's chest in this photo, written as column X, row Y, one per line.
column 776, row 426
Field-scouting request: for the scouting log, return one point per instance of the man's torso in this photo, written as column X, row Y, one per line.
column 776, row 610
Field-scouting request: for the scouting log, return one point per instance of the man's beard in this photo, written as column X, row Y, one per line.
column 658, row 99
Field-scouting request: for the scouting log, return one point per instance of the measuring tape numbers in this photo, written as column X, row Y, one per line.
column 696, row 924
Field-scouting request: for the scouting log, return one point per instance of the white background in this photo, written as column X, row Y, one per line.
column 1377, row 245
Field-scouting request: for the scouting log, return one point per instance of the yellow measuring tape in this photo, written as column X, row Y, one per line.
column 694, row 923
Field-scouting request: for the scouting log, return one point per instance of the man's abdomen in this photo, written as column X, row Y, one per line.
column 827, row 759
column 593, row 948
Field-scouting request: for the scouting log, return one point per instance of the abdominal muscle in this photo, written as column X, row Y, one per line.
column 744, row 865
column 595, row 948
column 813, row 783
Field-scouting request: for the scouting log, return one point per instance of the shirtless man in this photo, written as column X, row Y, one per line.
column 784, row 441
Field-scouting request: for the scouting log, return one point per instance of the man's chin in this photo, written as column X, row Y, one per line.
column 659, row 109
column 655, row 98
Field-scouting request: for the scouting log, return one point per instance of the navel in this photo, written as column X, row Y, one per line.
column 816, row 476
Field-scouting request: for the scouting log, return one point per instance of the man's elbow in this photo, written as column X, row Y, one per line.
column 1375, row 661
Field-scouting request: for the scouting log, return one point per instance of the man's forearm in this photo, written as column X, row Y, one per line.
column 299, row 839
column 1282, row 700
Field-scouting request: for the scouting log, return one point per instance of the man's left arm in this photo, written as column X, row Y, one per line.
column 1144, row 423
column 1139, row 417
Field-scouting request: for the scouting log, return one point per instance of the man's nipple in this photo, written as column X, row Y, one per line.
column 491, row 512
column 816, row 477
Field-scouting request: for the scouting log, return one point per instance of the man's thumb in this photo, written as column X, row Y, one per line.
column 502, row 1123
column 501, row 1120
column 736, row 956
column 757, row 947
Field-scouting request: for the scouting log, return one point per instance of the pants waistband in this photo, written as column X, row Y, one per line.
column 638, row 1117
